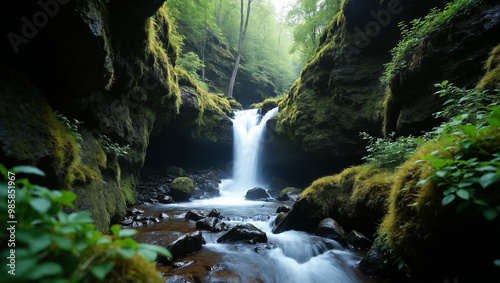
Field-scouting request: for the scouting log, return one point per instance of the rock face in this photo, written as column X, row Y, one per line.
column 458, row 53
column 73, row 66
column 339, row 93
column 256, row 193
column 243, row 233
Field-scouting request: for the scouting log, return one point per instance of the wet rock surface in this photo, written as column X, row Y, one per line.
column 329, row 228
column 246, row 233
column 155, row 185
column 356, row 240
column 256, row 193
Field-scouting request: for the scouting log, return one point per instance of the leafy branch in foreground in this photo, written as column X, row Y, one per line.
column 53, row 246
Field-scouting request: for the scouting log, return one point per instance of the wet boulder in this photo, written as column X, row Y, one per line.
column 279, row 218
column 165, row 199
column 256, row 193
column 181, row 189
column 186, row 244
column 329, row 228
column 356, row 240
column 208, row 223
column 194, row 215
column 247, row 233
column 290, row 193
column 283, row 208
column 214, row 213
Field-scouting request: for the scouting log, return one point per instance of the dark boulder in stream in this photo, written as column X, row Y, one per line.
column 247, row 233
column 178, row 244
column 330, row 228
column 256, row 193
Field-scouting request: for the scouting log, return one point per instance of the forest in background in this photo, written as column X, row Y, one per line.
column 277, row 46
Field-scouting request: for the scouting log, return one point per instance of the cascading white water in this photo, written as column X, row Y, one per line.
column 248, row 128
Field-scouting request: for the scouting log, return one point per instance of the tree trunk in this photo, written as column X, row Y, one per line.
column 243, row 31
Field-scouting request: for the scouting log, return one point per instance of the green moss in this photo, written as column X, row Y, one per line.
column 330, row 103
column 426, row 234
column 267, row 104
column 183, row 184
column 360, row 191
column 491, row 79
column 289, row 189
column 213, row 108
column 134, row 269
column 176, row 171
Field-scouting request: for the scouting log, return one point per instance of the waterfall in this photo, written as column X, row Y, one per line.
column 248, row 129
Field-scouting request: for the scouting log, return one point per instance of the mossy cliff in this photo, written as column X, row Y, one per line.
column 339, row 93
column 107, row 64
column 451, row 46
column 356, row 198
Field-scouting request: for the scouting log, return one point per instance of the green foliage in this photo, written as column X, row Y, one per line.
column 308, row 19
column 72, row 126
column 53, row 246
column 113, row 148
column 419, row 31
column 390, row 152
column 191, row 63
column 468, row 176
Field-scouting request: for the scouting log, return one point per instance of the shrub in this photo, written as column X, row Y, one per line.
column 53, row 246
column 390, row 152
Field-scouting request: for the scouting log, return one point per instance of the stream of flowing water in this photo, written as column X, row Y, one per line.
column 288, row 257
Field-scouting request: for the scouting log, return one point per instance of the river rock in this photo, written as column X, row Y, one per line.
column 372, row 264
column 127, row 221
column 181, row 189
column 329, row 228
column 186, row 244
column 180, row 279
column 283, row 208
column 178, row 244
column 290, row 193
column 279, row 218
column 214, row 213
column 256, row 194
column 247, row 233
column 165, row 199
column 208, row 223
column 163, row 215
column 194, row 215
column 359, row 241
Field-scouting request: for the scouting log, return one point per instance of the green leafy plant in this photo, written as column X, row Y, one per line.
column 390, row 152
column 72, row 126
column 468, row 177
column 113, row 148
column 422, row 29
column 54, row 246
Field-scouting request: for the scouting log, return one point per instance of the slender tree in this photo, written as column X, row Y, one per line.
column 243, row 31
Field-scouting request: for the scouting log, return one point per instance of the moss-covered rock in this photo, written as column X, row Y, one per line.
column 453, row 47
column 339, row 93
column 267, row 104
column 357, row 198
column 285, row 193
column 176, row 171
column 113, row 70
column 430, row 237
column 182, row 188
column 491, row 79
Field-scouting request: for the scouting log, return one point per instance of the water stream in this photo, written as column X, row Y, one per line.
column 291, row 256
